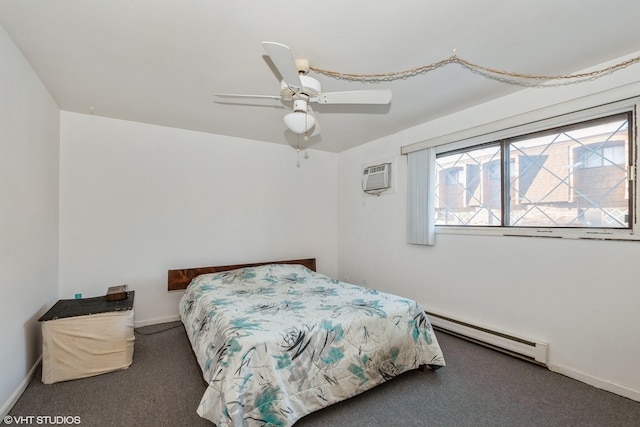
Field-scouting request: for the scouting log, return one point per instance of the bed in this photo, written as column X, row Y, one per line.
column 278, row 341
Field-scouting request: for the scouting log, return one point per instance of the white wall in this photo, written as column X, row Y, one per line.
column 29, row 143
column 137, row 200
column 579, row 296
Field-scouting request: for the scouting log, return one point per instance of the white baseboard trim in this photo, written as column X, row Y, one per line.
column 13, row 399
column 596, row 382
column 157, row 320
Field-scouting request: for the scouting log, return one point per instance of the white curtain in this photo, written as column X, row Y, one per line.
column 421, row 177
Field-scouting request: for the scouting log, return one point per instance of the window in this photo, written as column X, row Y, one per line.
column 473, row 198
column 599, row 155
column 574, row 176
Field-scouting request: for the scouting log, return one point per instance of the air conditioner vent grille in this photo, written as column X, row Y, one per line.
column 376, row 178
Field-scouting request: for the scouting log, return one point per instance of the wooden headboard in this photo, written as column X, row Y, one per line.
column 180, row 279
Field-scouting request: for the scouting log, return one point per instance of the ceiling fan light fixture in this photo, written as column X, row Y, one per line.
column 299, row 122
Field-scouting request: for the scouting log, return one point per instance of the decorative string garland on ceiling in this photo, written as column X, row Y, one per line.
column 521, row 79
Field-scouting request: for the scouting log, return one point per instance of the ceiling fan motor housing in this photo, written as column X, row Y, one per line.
column 310, row 87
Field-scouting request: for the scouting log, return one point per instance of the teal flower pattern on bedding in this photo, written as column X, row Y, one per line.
column 278, row 342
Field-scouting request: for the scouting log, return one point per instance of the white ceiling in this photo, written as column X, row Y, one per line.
column 161, row 61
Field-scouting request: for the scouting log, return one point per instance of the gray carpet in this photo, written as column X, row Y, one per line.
column 479, row 387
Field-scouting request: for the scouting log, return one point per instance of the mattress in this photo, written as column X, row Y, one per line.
column 278, row 342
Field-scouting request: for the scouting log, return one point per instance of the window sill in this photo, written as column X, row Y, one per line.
column 556, row 233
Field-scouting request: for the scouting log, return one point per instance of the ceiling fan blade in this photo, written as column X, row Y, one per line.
column 239, row 95
column 376, row 96
column 285, row 63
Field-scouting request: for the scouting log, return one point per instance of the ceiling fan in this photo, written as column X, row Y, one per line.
column 302, row 89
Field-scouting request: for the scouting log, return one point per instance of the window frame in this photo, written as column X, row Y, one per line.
column 451, row 143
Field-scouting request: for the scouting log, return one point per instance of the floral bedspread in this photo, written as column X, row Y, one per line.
column 278, row 342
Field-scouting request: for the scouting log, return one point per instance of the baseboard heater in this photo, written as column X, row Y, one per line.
column 524, row 348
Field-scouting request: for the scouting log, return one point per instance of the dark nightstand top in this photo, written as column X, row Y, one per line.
column 86, row 306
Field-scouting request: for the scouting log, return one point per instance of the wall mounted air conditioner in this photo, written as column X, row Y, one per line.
column 376, row 178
